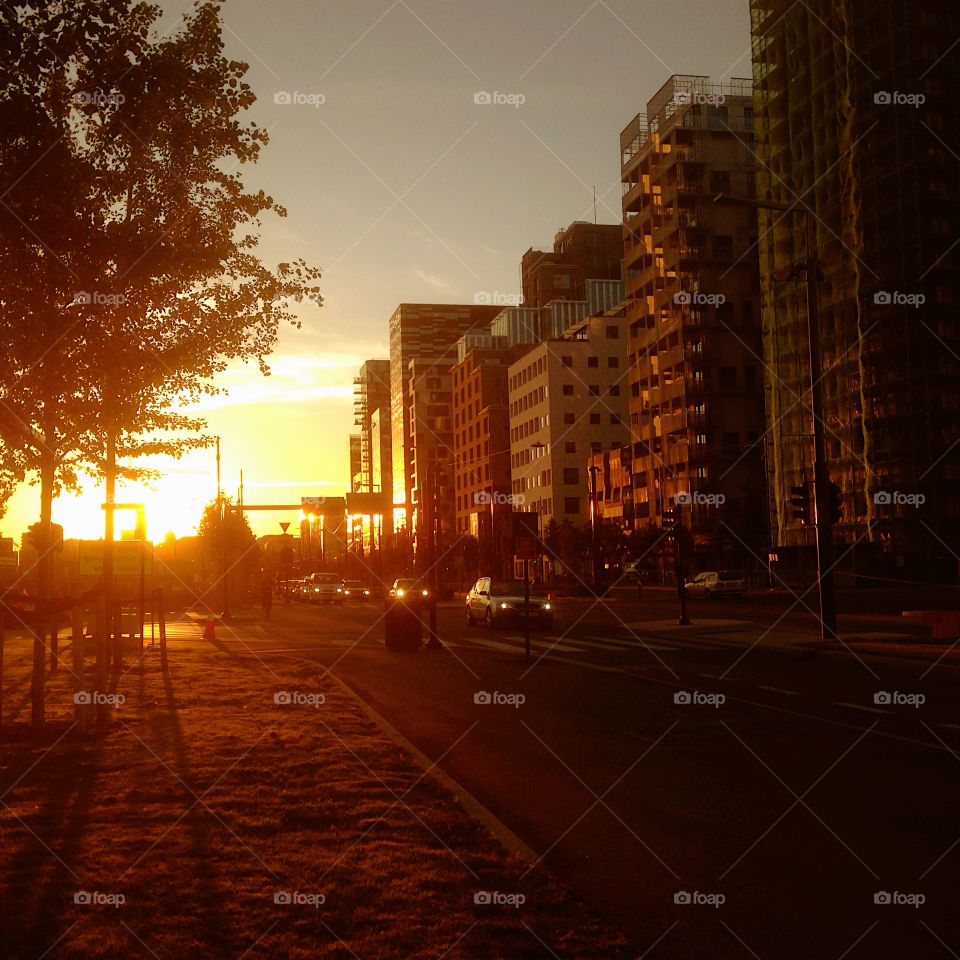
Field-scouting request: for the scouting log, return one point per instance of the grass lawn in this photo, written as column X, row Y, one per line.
column 209, row 821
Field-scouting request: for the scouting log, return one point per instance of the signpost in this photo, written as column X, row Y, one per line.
column 526, row 549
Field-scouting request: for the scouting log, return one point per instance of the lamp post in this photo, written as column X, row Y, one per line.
column 821, row 473
column 594, row 525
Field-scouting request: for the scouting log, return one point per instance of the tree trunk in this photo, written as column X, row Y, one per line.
column 110, row 478
column 44, row 588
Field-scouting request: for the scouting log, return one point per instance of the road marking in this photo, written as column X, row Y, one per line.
column 789, row 693
column 542, row 643
column 860, row 706
column 617, row 645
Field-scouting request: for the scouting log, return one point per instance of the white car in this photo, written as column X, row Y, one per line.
column 495, row 602
column 723, row 583
column 324, row 588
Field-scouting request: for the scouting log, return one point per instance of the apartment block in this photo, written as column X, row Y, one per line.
column 857, row 115
column 427, row 332
column 371, row 400
column 568, row 400
column 356, row 462
column 580, row 252
column 692, row 293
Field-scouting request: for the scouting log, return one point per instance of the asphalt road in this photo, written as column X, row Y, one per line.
column 780, row 785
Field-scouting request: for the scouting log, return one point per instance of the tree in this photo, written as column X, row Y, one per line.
column 131, row 236
column 228, row 543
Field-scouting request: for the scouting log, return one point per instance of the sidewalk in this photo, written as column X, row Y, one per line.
column 237, row 808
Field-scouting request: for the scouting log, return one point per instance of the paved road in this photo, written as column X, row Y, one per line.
column 723, row 760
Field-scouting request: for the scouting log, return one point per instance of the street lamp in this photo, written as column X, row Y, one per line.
column 821, row 473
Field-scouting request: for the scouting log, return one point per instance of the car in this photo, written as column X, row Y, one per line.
column 408, row 590
column 633, row 569
column 355, row 592
column 494, row 602
column 324, row 588
column 725, row 583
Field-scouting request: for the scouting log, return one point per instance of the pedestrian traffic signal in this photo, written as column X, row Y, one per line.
column 800, row 501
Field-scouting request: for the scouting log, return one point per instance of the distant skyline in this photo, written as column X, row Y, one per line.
column 403, row 189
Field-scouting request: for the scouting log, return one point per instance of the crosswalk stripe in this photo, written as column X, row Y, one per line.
column 639, row 644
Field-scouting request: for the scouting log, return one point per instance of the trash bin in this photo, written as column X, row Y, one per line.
column 402, row 627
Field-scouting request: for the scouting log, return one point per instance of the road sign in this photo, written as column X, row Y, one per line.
column 526, row 548
column 284, row 525
column 126, row 557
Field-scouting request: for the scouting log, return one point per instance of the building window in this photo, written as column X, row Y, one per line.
column 567, row 361
column 613, row 362
column 571, row 504
column 615, row 390
column 571, row 476
column 596, row 446
column 594, row 389
column 593, row 361
column 568, row 389
column 595, row 418
column 569, row 418
column 613, row 332
column 570, row 446
column 723, row 247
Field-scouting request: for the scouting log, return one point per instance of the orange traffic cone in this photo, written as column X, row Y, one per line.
column 208, row 631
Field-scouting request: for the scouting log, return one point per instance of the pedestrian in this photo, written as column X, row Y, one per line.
column 266, row 596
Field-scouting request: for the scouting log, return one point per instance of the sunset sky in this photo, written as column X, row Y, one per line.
column 401, row 188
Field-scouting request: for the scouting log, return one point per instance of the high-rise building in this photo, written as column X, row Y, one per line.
column 428, row 332
column 696, row 371
column 568, row 400
column 580, row 252
column 371, row 393
column 356, row 465
column 857, row 118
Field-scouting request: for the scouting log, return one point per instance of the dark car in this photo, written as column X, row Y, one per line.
column 496, row 602
column 408, row 590
column 355, row 592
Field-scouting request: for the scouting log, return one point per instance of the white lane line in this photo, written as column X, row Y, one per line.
column 615, row 646
column 502, row 644
column 547, row 643
column 860, row 706
column 789, row 693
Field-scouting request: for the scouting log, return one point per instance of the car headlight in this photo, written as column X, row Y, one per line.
column 400, row 593
column 366, row 593
column 506, row 606
column 316, row 589
column 426, row 593
column 547, row 606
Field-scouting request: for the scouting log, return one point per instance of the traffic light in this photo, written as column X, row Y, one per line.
column 834, row 508
column 800, row 501
column 673, row 521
